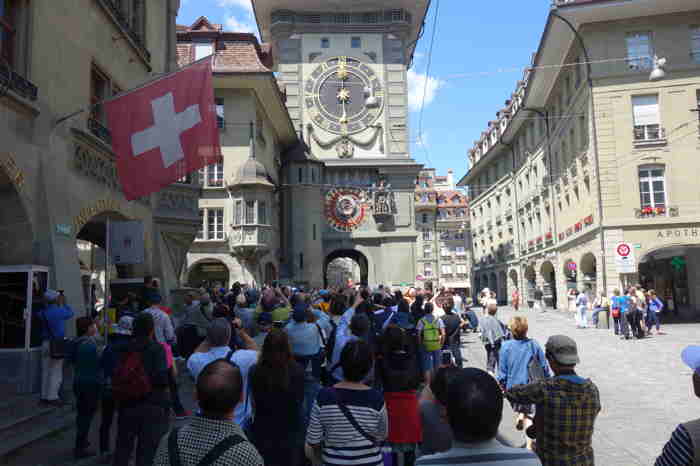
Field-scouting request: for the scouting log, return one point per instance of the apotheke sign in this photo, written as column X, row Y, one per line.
column 678, row 233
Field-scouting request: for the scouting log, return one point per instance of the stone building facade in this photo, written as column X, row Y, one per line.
column 592, row 154
column 239, row 206
column 442, row 220
column 58, row 182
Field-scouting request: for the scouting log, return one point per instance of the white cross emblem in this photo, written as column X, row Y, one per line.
column 166, row 131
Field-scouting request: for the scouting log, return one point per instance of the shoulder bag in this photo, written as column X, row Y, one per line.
column 348, row 415
column 211, row 457
column 535, row 371
column 58, row 347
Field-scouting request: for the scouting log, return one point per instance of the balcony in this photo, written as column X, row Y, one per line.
column 649, row 135
column 509, row 212
column 114, row 9
column 21, row 86
column 250, row 242
column 99, row 130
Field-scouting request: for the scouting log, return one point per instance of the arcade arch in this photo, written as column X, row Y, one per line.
column 208, row 273
column 356, row 256
column 549, row 290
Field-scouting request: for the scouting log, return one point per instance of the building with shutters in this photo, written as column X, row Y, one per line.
column 442, row 221
column 591, row 154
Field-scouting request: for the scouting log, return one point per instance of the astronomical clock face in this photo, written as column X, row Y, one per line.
column 344, row 96
column 345, row 208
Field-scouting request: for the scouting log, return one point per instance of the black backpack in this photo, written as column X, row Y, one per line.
column 330, row 342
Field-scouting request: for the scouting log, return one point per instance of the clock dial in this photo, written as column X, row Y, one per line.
column 344, row 96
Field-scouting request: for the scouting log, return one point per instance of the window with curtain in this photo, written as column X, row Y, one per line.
column 249, row 212
column 238, row 212
column 215, row 224
column 652, row 186
column 639, row 50
column 645, row 110
column 262, row 213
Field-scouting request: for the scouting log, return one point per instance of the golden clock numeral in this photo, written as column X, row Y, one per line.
column 324, row 66
column 379, row 93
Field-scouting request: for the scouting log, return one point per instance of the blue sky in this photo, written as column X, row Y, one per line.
column 478, row 56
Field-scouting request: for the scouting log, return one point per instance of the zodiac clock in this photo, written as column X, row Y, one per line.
column 344, row 96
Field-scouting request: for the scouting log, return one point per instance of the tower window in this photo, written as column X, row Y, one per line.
column 325, row 43
column 356, row 42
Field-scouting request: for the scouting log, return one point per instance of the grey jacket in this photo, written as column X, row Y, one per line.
column 199, row 316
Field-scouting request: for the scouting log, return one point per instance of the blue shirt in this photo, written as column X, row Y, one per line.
column 304, row 338
column 621, row 302
column 513, row 360
column 56, row 316
column 655, row 305
column 244, row 359
column 342, row 337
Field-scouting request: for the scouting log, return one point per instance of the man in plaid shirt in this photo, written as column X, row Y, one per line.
column 567, row 406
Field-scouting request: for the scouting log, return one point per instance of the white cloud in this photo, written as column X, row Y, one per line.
column 245, row 4
column 233, row 24
column 417, row 86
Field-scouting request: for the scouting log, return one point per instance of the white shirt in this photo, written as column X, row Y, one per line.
column 458, row 303
column 489, row 453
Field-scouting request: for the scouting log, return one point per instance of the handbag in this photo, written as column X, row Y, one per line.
column 348, row 415
column 58, row 347
column 535, row 371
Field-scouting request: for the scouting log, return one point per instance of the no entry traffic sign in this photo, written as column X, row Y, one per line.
column 624, row 258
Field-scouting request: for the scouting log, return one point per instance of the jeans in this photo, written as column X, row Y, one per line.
column 108, row 408
column 51, row 374
column 456, row 350
column 87, row 396
column 594, row 316
column 177, row 404
column 617, row 325
column 625, row 324
column 653, row 319
column 312, row 386
column 492, row 356
column 431, row 360
column 635, row 320
column 142, row 424
column 581, row 317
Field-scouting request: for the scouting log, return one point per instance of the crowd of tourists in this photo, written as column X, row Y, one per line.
column 351, row 376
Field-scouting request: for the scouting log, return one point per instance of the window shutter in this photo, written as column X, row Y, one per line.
column 646, row 110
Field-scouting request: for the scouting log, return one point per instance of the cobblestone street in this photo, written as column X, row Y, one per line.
column 645, row 389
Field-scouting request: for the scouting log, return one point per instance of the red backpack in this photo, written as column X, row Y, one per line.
column 130, row 381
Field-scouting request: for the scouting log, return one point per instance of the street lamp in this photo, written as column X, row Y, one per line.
column 658, row 73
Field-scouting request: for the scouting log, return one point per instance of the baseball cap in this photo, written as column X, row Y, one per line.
column 691, row 357
column 323, row 292
column 563, row 349
column 51, row 295
column 299, row 313
column 125, row 326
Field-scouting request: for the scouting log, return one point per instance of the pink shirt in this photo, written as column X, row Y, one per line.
column 168, row 354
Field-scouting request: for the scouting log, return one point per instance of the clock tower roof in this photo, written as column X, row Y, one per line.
column 417, row 10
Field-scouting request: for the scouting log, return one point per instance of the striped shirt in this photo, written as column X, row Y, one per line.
column 163, row 326
column 342, row 443
column 678, row 451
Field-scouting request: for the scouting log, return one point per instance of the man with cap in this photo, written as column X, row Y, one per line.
column 683, row 448
column 53, row 320
column 215, row 346
column 567, row 407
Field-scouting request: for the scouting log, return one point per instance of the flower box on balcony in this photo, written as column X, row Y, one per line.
column 561, row 236
column 569, row 231
column 539, row 239
column 578, row 227
column 548, row 236
column 588, row 220
column 649, row 212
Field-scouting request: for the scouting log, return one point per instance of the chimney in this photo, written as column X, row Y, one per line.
column 450, row 179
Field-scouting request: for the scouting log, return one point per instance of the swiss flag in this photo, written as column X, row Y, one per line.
column 165, row 130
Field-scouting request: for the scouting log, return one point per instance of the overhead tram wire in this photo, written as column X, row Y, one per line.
column 425, row 83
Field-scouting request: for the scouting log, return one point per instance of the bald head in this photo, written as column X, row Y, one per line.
column 219, row 389
column 219, row 332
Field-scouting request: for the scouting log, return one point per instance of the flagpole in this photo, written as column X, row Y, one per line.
column 123, row 93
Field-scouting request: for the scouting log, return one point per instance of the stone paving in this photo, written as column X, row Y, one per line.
column 644, row 386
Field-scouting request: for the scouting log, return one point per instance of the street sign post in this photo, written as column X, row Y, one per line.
column 624, row 258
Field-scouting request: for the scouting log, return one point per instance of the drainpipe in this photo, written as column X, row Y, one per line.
column 589, row 80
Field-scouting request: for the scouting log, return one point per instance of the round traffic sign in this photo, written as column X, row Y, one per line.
column 623, row 250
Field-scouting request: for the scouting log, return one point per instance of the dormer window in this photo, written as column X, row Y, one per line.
column 203, row 50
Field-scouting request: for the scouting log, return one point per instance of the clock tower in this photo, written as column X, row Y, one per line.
column 348, row 192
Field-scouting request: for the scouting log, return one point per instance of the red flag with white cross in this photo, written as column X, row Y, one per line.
column 164, row 130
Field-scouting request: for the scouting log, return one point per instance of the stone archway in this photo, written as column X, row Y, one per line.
column 16, row 229
column 530, row 282
column 589, row 272
column 549, row 290
column 356, row 256
column 208, row 273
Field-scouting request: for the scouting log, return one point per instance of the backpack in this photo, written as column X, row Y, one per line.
column 431, row 335
column 130, row 381
column 330, row 342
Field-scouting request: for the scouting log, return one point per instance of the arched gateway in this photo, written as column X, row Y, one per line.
column 356, row 256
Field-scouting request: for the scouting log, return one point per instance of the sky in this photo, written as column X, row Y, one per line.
column 478, row 55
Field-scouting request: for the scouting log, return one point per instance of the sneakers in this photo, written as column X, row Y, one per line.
column 183, row 415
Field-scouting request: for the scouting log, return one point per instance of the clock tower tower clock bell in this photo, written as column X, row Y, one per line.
column 349, row 193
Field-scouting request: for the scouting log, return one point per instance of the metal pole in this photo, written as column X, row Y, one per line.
column 107, row 302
